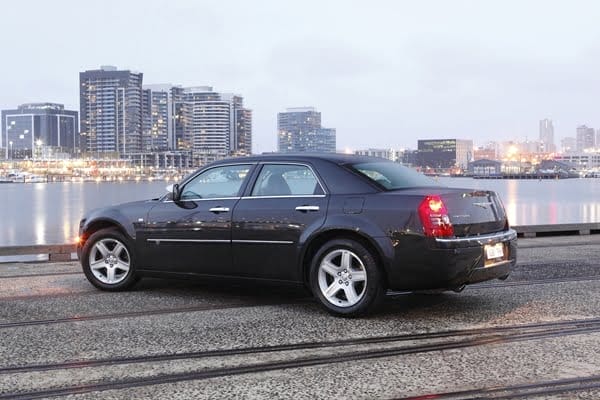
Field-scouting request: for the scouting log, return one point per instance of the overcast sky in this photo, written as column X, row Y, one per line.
column 384, row 73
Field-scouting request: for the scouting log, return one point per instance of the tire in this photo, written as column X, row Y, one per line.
column 108, row 260
column 345, row 278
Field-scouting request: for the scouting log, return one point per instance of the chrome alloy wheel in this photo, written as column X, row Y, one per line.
column 109, row 261
column 342, row 278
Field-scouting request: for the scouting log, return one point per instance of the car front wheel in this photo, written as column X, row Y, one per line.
column 108, row 260
column 345, row 278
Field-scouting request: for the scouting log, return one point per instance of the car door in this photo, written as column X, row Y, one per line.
column 286, row 202
column 193, row 234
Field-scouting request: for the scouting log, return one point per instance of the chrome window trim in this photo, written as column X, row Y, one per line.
column 212, row 198
column 295, row 195
column 283, row 196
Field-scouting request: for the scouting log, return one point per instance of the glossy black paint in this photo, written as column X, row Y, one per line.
column 269, row 238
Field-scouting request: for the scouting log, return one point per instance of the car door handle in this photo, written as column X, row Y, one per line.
column 219, row 209
column 307, row 208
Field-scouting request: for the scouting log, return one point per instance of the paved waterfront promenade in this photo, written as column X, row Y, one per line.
column 178, row 340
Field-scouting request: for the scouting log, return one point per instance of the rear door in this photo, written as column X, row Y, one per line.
column 286, row 202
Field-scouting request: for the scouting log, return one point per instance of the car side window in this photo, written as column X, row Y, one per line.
column 286, row 180
column 216, row 182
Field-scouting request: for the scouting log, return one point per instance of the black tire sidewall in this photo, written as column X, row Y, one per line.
column 131, row 277
column 374, row 288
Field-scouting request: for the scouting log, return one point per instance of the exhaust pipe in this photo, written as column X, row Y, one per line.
column 459, row 289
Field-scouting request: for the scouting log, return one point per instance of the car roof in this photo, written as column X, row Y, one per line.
column 337, row 158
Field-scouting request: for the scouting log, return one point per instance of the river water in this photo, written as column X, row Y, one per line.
column 49, row 213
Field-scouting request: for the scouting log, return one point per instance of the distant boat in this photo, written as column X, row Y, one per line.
column 24, row 177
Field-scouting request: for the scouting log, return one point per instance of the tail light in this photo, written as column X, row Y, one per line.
column 434, row 217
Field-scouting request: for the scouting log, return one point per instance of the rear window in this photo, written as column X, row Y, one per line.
column 393, row 176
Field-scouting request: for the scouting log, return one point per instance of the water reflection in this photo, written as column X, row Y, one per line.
column 533, row 202
column 49, row 213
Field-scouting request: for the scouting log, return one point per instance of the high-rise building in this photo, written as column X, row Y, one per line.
column 547, row 135
column 161, row 117
column 445, row 153
column 111, row 110
column 586, row 138
column 300, row 130
column 37, row 129
column 216, row 125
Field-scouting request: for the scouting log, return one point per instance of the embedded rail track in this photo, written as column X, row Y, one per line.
column 474, row 337
column 522, row 391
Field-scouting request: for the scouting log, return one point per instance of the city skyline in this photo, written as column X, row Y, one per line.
column 386, row 73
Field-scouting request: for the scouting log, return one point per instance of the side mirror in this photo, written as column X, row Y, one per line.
column 176, row 192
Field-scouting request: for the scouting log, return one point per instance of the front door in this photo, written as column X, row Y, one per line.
column 193, row 234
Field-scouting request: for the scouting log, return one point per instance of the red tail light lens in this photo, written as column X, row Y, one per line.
column 434, row 217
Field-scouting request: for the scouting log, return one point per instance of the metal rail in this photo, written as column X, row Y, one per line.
column 519, row 391
column 492, row 336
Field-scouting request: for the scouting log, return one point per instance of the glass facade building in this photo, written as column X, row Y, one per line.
column 111, row 110
column 445, row 153
column 300, row 130
column 39, row 129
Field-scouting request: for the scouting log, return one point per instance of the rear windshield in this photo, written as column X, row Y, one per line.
column 392, row 176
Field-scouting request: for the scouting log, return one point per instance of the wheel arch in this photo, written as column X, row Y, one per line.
column 313, row 245
column 102, row 223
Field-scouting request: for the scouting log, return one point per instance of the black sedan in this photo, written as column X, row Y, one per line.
column 347, row 227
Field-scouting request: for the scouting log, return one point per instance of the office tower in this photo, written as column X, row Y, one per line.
column 111, row 110
column 216, row 125
column 586, row 138
column 300, row 130
column 162, row 117
column 40, row 129
column 445, row 153
column 547, row 135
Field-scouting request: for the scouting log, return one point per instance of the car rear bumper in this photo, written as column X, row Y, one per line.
column 452, row 263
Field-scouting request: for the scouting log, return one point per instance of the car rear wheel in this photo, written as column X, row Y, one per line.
column 108, row 260
column 345, row 278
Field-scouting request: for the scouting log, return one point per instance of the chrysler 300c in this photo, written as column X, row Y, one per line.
column 347, row 227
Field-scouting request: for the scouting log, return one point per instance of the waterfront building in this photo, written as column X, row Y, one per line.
column 485, row 167
column 111, row 111
column 586, row 138
column 39, row 130
column 300, row 130
column 216, row 125
column 388, row 154
column 547, row 136
column 162, row 121
column 485, row 153
column 445, row 153
column 581, row 160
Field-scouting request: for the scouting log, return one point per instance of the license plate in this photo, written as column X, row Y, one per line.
column 494, row 251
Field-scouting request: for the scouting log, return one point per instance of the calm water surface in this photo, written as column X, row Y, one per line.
column 49, row 213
